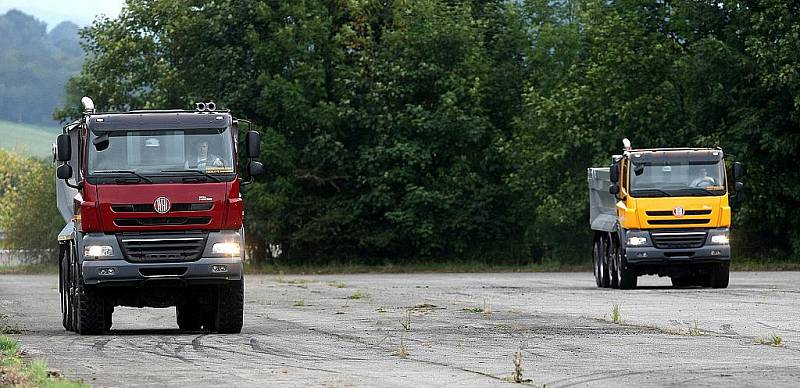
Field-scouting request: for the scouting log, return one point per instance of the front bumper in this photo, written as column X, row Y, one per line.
column 652, row 255
column 201, row 271
column 117, row 269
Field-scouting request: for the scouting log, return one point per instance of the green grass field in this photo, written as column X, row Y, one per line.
column 28, row 139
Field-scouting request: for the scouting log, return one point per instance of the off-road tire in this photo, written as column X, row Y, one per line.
column 597, row 263
column 91, row 311
column 605, row 269
column 688, row 280
column 189, row 316
column 63, row 288
column 230, row 308
column 613, row 258
column 108, row 314
column 720, row 275
column 626, row 276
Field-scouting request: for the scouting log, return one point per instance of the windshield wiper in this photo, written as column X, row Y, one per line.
column 650, row 192
column 697, row 191
column 142, row 177
column 195, row 172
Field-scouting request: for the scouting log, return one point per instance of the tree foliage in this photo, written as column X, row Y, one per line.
column 28, row 214
column 433, row 129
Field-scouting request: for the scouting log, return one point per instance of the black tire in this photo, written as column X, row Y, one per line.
column 720, row 275
column 230, row 308
column 597, row 263
column 63, row 282
column 613, row 258
column 189, row 316
column 108, row 314
column 91, row 311
column 605, row 270
column 626, row 276
column 72, row 289
column 687, row 280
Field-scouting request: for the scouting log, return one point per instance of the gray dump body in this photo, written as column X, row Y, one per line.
column 602, row 205
column 65, row 195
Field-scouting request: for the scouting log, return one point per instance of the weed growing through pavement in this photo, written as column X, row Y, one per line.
column 299, row 303
column 773, row 340
column 406, row 323
column 401, row 351
column 615, row 315
column 281, row 279
column 358, row 295
column 337, row 284
column 516, row 377
column 381, row 310
column 485, row 310
column 695, row 331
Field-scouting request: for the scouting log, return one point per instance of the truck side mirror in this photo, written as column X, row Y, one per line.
column 613, row 173
column 255, row 168
column 63, row 148
column 64, row 171
column 738, row 171
column 253, row 144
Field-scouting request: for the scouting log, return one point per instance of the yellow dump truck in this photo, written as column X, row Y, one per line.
column 663, row 212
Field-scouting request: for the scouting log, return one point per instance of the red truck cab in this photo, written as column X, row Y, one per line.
column 153, row 216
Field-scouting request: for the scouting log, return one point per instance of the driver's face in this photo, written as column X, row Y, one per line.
column 202, row 148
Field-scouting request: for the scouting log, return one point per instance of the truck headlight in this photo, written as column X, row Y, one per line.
column 226, row 248
column 98, row 251
column 637, row 241
column 720, row 239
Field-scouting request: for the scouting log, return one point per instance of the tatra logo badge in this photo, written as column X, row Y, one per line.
column 161, row 205
column 678, row 211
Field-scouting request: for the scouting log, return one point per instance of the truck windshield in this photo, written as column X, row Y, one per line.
column 161, row 152
column 677, row 178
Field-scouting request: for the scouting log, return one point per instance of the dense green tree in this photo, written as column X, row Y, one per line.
column 431, row 129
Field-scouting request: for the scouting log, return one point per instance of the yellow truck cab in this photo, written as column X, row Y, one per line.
column 662, row 212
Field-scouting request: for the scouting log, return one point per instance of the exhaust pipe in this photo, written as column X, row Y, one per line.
column 201, row 106
column 88, row 105
column 211, row 106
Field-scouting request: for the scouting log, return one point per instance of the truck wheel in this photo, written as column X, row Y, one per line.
column 189, row 315
column 63, row 283
column 687, row 280
column 605, row 271
column 230, row 308
column 91, row 311
column 108, row 312
column 613, row 259
column 627, row 278
column 720, row 275
column 597, row 260
column 72, row 287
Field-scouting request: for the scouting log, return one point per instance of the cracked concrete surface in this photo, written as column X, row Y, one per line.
column 463, row 330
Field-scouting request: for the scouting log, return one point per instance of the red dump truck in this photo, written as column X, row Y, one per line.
column 153, row 216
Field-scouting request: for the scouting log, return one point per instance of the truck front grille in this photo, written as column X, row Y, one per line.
column 681, row 221
column 159, row 221
column 678, row 240
column 668, row 213
column 162, row 248
column 148, row 207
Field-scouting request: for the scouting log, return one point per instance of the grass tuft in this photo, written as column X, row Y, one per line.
column 15, row 372
column 616, row 317
column 773, row 340
column 358, row 295
column 401, row 352
column 299, row 303
column 337, row 284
